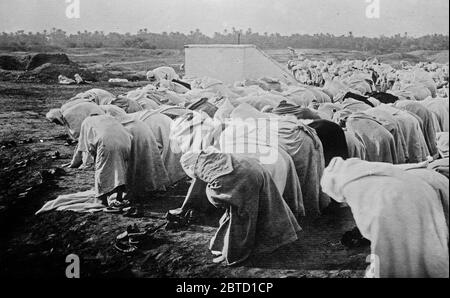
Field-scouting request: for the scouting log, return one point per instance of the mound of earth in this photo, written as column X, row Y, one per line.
column 40, row 68
column 30, row 62
column 103, row 74
column 40, row 59
column 8, row 62
column 48, row 73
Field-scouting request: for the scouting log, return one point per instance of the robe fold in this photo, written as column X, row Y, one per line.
column 400, row 213
column 256, row 218
column 104, row 138
column 379, row 142
column 428, row 126
column 146, row 171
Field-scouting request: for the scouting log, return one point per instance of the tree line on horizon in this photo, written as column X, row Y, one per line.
column 143, row 39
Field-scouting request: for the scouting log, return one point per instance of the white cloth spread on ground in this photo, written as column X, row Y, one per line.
column 63, row 80
column 78, row 202
column 398, row 212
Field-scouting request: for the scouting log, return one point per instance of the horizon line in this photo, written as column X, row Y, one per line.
column 222, row 33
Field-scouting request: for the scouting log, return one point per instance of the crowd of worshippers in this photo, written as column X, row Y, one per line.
column 317, row 72
column 382, row 153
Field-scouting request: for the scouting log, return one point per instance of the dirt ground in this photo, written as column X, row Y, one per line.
column 37, row 246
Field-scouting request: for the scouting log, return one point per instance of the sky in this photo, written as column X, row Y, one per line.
column 417, row 17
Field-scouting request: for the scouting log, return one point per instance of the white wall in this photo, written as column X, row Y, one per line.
column 222, row 63
column 231, row 63
column 258, row 65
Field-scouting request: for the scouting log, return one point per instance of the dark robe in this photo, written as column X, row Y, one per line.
column 384, row 97
column 333, row 139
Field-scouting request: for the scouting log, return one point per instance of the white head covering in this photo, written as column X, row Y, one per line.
column 194, row 131
column 55, row 115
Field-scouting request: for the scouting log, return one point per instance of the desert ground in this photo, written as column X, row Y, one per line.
column 32, row 151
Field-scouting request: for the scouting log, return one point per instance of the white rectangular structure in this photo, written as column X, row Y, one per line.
column 231, row 63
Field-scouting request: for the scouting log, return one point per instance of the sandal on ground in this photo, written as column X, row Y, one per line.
column 125, row 247
column 131, row 212
column 118, row 204
column 134, row 240
column 125, row 238
column 112, row 210
column 134, row 230
column 129, row 238
column 219, row 259
column 216, row 253
column 176, row 221
column 132, row 236
column 173, row 216
column 122, row 236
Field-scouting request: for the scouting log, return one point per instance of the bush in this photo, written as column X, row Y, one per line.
column 176, row 40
